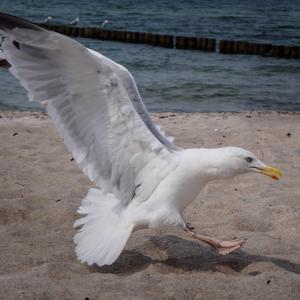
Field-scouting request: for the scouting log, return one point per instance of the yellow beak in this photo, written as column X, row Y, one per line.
column 271, row 172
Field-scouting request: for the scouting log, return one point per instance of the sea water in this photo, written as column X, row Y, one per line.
column 184, row 80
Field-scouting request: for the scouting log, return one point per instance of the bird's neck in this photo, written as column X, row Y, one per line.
column 208, row 164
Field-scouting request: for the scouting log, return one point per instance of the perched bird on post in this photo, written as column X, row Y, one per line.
column 74, row 22
column 104, row 23
column 48, row 20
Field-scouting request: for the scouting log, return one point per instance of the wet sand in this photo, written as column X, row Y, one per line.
column 41, row 188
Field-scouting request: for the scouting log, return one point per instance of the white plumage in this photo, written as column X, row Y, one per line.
column 142, row 178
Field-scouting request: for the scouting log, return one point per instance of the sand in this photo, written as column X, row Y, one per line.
column 41, row 188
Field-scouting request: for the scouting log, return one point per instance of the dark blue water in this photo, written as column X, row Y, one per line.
column 178, row 80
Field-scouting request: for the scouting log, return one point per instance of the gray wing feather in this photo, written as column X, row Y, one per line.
column 135, row 97
column 95, row 106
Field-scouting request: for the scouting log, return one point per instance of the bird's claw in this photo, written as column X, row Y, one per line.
column 226, row 247
column 222, row 247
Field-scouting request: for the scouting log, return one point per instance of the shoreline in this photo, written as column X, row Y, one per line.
column 7, row 114
column 28, row 112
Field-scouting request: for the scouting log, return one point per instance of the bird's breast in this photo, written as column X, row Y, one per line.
column 178, row 190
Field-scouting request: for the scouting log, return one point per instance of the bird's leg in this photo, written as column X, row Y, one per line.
column 223, row 247
column 189, row 226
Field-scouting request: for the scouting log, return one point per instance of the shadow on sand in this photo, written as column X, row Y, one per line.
column 184, row 255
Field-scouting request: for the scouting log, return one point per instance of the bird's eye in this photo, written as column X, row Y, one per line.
column 249, row 159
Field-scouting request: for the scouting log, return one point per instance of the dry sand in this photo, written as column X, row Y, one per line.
column 41, row 188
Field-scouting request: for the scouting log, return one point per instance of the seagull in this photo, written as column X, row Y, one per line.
column 48, row 20
column 103, row 24
column 142, row 179
column 74, row 22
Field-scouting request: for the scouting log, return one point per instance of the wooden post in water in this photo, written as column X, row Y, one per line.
column 243, row 47
column 74, row 31
column 210, row 45
column 204, row 44
column 88, row 32
column 135, row 37
column 223, row 46
column 287, row 51
column 295, row 52
column 235, row 47
column 229, row 47
column 226, row 47
column 81, row 31
column 265, row 49
column 247, row 48
column 103, row 34
column 277, row 51
column 121, row 37
column 155, row 39
column 142, row 38
column 113, row 35
column 96, row 33
column 199, row 43
column 181, row 42
column 191, row 43
column 68, row 30
column 166, row 41
column 61, row 29
column 254, row 48
column 128, row 37
column 147, row 38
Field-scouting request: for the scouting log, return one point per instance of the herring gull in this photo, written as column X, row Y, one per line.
column 75, row 21
column 143, row 180
column 47, row 20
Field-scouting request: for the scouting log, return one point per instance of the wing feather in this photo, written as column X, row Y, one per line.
column 96, row 107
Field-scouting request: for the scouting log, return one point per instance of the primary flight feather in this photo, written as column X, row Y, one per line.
column 143, row 179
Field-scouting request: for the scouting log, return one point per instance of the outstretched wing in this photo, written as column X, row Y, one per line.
column 95, row 106
column 134, row 95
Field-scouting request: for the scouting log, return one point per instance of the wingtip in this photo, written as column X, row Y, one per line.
column 9, row 22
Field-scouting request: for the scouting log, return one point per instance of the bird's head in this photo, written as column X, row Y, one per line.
column 234, row 161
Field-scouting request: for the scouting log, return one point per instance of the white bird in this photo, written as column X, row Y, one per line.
column 104, row 23
column 74, row 22
column 48, row 19
column 142, row 179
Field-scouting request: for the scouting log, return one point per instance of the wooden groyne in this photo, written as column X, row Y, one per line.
column 194, row 43
column 161, row 40
column 242, row 47
column 178, row 42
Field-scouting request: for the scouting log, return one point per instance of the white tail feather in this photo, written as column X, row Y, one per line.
column 104, row 230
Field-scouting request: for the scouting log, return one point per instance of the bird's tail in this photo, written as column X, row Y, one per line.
column 104, row 231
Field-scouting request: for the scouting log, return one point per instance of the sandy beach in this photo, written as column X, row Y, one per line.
column 41, row 188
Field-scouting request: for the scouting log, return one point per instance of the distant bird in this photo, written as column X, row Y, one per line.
column 48, row 20
column 104, row 23
column 74, row 22
column 143, row 179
